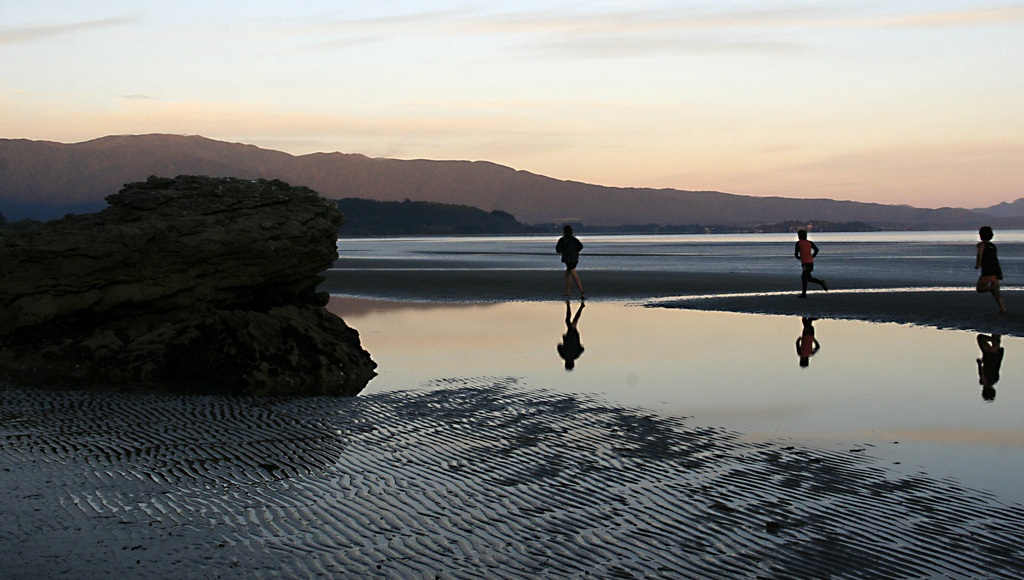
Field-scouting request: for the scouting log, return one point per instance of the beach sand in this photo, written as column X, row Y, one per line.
column 902, row 301
column 499, row 284
column 953, row 309
column 465, row 478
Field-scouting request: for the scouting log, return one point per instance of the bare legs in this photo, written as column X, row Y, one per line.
column 999, row 298
column 572, row 276
column 993, row 287
column 806, row 277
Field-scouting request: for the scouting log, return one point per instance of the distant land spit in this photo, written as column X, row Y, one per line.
column 365, row 217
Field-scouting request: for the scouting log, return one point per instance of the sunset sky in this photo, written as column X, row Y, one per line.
column 897, row 102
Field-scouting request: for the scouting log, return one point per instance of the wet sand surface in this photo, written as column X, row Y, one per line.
column 482, row 284
column 897, row 300
column 467, row 478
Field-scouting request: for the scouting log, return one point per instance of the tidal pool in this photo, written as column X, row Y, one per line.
column 910, row 396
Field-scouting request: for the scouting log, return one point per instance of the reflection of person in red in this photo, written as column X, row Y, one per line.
column 807, row 346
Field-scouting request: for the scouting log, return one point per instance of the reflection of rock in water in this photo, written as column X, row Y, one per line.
column 194, row 281
column 477, row 477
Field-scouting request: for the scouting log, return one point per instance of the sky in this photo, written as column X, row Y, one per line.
column 898, row 101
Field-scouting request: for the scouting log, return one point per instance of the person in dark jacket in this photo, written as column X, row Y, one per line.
column 569, row 247
column 988, row 262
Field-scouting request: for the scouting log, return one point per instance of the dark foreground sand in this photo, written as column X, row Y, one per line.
column 475, row 478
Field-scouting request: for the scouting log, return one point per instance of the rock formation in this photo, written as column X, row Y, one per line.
column 192, row 283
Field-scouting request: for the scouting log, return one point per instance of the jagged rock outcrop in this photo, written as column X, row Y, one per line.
column 191, row 283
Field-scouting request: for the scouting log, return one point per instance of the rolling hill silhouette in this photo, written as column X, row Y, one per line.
column 44, row 179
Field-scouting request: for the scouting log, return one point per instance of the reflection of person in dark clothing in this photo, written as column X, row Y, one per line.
column 988, row 262
column 989, row 363
column 570, row 348
column 807, row 346
column 569, row 247
column 805, row 251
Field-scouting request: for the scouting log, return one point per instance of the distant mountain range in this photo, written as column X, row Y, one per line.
column 1007, row 209
column 44, row 179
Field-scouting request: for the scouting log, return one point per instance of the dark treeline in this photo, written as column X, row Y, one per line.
column 366, row 217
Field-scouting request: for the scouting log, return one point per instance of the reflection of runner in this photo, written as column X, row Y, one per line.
column 807, row 346
column 569, row 247
column 989, row 363
column 570, row 348
column 988, row 261
column 805, row 251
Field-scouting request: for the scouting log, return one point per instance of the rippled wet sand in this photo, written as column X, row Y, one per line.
column 468, row 478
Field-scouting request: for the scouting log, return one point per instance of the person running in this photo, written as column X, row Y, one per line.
column 988, row 365
column 807, row 346
column 805, row 251
column 988, row 261
column 569, row 247
column 570, row 348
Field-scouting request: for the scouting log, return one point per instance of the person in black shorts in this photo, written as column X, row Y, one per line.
column 569, row 247
column 988, row 262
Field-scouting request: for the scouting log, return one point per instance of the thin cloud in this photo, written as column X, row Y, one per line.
column 346, row 42
column 30, row 33
column 138, row 97
column 350, row 32
column 634, row 46
column 653, row 20
column 976, row 16
column 679, row 19
column 562, row 23
column 402, row 19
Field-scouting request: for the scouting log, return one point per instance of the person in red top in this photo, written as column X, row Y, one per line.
column 805, row 251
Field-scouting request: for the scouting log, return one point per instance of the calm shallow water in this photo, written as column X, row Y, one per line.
column 939, row 258
column 869, row 386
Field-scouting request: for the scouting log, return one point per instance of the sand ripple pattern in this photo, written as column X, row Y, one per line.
column 467, row 478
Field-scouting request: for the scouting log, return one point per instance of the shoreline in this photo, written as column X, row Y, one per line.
column 497, row 284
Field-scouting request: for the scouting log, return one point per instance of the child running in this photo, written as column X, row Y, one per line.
column 805, row 252
column 569, row 247
column 988, row 261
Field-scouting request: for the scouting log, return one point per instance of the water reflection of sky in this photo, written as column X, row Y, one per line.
column 868, row 386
